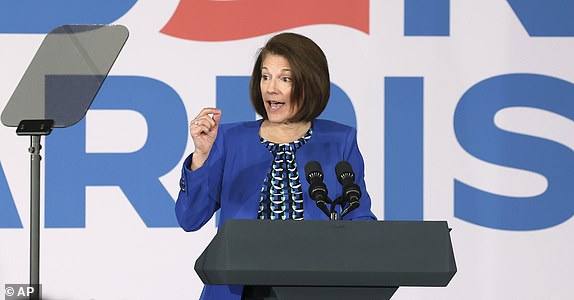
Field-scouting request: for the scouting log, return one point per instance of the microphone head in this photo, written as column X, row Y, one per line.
column 313, row 171
column 345, row 173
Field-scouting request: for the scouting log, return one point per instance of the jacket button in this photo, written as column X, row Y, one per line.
column 182, row 184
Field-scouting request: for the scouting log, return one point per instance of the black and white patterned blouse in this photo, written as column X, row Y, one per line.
column 281, row 195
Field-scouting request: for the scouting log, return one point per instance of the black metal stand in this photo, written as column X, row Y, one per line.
column 35, row 159
column 57, row 90
column 35, row 129
column 332, row 208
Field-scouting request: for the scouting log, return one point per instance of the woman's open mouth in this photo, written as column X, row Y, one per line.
column 275, row 104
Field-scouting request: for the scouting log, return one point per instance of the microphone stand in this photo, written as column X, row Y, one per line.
column 335, row 215
column 331, row 210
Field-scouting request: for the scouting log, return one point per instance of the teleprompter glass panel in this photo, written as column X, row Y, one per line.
column 65, row 74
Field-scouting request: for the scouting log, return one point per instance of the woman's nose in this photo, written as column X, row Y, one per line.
column 271, row 86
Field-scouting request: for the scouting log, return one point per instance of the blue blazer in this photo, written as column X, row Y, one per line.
column 232, row 177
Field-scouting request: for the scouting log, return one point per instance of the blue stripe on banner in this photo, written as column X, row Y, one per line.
column 404, row 148
column 427, row 17
column 9, row 217
column 33, row 16
column 233, row 99
column 545, row 17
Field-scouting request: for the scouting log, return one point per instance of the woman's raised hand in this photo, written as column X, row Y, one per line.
column 203, row 130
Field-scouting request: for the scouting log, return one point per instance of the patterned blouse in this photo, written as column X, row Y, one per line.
column 281, row 194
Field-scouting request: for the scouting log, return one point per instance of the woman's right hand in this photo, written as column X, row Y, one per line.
column 203, row 130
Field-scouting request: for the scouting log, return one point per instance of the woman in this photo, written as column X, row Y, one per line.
column 255, row 169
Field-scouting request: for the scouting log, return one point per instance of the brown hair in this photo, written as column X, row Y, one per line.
column 310, row 82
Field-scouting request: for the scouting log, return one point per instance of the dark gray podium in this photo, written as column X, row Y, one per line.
column 328, row 259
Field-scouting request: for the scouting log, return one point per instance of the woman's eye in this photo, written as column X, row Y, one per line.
column 265, row 77
column 286, row 79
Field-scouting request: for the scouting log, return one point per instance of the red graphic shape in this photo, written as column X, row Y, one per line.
column 212, row 20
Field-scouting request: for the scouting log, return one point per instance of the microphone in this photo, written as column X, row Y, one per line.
column 351, row 191
column 317, row 189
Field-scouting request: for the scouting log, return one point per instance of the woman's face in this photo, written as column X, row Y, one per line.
column 276, row 86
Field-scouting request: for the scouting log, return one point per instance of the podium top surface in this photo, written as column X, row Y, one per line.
column 329, row 253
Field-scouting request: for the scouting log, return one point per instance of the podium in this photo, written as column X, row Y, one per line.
column 328, row 259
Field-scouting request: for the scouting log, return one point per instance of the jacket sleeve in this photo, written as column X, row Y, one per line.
column 200, row 190
column 354, row 157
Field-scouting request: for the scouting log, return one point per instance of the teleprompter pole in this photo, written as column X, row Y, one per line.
column 35, row 159
column 35, row 129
